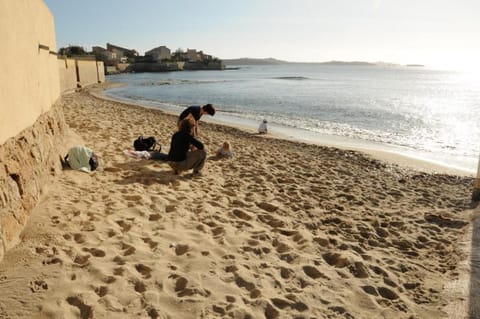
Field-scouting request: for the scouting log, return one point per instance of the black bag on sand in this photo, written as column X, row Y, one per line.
column 145, row 144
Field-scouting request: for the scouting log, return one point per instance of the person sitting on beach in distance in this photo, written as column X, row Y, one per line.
column 195, row 113
column 225, row 151
column 262, row 129
column 180, row 157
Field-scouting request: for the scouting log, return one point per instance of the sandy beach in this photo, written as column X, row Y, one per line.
column 282, row 230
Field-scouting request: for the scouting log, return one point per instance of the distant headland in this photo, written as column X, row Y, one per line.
column 273, row 61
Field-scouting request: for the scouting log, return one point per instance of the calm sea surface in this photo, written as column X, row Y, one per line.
column 434, row 115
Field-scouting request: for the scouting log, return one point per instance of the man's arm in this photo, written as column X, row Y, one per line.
column 195, row 129
column 196, row 143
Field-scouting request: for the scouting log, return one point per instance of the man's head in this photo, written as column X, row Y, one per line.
column 208, row 109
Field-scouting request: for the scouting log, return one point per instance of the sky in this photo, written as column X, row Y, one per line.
column 436, row 33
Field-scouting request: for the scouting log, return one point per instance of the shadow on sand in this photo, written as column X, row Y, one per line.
column 149, row 172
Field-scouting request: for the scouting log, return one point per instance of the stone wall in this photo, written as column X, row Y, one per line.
column 68, row 74
column 28, row 161
column 79, row 73
column 90, row 72
column 31, row 128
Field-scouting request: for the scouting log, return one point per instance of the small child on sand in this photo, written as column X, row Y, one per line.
column 225, row 151
column 262, row 129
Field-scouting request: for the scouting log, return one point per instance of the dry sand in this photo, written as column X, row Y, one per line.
column 283, row 230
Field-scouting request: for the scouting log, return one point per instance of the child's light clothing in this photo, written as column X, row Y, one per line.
column 221, row 152
column 137, row 154
column 262, row 129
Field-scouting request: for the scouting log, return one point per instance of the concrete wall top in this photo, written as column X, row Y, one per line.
column 29, row 81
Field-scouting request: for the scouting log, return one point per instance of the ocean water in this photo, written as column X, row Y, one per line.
column 429, row 114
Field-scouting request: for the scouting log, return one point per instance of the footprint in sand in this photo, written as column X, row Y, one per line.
column 109, row 279
column 359, row 270
column 313, row 272
column 152, row 244
column 140, row 287
column 387, row 293
column 219, row 309
column 180, row 249
column 79, row 238
column 134, row 198
column 170, row 208
column 181, row 283
column 253, row 242
column 217, row 231
column 40, row 250
column 289, row 257
column 271, row 221
column 267, row 207
column 370, row 290
column 280, row 247
column 52, row 261
column 230, row 299
column 242, row 283
column 282, row 304
column 101, row 291
column 95, row 252
column 153, row 313
column 144, row 270
column 55, row 220
column 125, row 226
column 255, row 293
column 127, row 249
column 182, row 290
column 154, row 217
column 87, row 226
column 286, row 273
column 336, row 260
column 271, row 312
column 241, row 214
column 119, row 260
column 81, row 260
column 339, row 310
column 38, row 285
column 86, row 312
column 118, row 271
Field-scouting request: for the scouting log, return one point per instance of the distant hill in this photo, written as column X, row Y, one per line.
column 252, row 61
column 272, row 61
column 347, row 63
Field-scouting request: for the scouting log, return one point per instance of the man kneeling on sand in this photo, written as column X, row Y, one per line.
column 180, row 157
